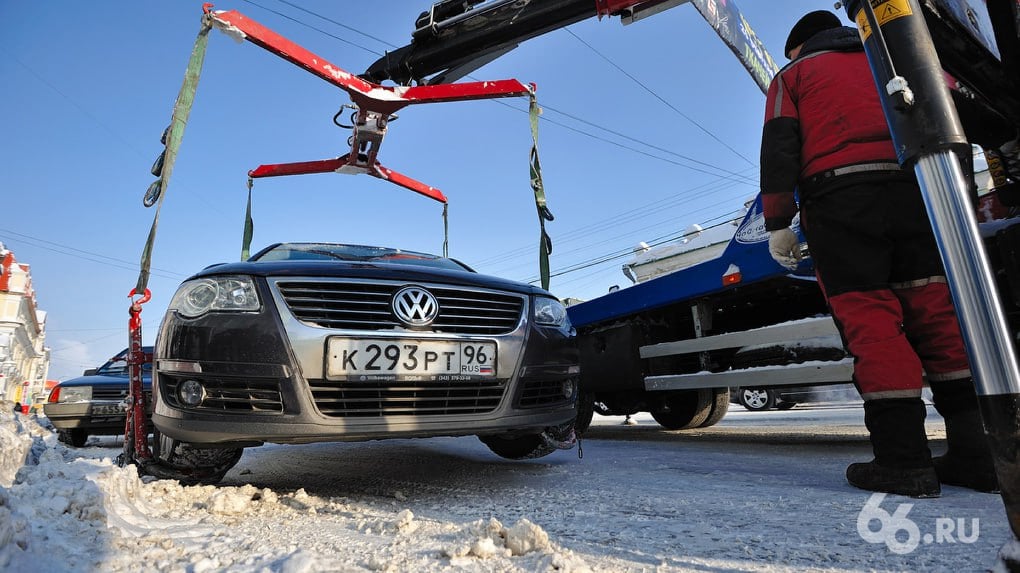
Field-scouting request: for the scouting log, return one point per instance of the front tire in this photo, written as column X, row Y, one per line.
column 585, row 411
column 191, row 464
column 75, row 437
column 757, row 399
column 528, row 446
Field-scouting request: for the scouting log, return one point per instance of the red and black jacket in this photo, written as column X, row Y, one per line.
column 822, row 112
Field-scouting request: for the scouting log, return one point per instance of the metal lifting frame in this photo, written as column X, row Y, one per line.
column 374, row 104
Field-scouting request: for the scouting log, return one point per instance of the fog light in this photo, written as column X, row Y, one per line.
column 191, row 392
column 568, row 387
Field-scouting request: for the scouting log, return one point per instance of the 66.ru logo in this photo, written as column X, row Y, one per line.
column 902, row 535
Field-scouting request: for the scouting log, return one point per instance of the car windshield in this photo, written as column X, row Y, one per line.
column 118, row 366
column 356, row 253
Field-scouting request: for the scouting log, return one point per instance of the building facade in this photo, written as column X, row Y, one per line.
column 24, row 357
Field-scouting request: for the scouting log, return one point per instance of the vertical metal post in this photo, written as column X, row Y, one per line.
column 927, row 134
column 701, row 312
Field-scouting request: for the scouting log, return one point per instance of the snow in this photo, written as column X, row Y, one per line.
column 232, row 31
column 759, row 492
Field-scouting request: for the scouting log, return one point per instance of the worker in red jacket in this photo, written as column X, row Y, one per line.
column 826, row 140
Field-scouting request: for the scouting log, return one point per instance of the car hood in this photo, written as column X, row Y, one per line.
column 100, row 380
column 369, row 270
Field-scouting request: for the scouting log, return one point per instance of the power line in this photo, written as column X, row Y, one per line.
column 309, row 26
column 657, row 96
column 90, row 256
column 615, row 255
column 726, row 173
column 96, row 120
column 342, row 25
column 678, row 198
column 624, row 253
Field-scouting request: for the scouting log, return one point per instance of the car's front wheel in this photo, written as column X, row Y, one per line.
column 530, row 446
column 192, row 464
column 585, row 411
column 74, row 437
column 757, row 399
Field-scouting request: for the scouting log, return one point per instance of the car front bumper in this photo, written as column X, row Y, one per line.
column 264, row 379
column 80, row 415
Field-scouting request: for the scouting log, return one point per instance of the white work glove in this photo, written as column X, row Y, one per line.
column 785, row 247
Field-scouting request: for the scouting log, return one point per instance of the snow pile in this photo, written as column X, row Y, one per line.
column 486, row 539
column 63, row 511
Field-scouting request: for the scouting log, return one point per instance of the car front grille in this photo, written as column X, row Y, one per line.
column 367, row 306
column 101, row 393
column 347, row 399
column 227, row 394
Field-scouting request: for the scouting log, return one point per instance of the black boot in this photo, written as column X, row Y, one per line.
column 902, row 463
column 968, row 461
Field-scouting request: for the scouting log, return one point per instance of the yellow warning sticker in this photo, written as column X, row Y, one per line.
column 885, row 11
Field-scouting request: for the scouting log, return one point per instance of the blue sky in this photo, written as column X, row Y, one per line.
column 90, row 86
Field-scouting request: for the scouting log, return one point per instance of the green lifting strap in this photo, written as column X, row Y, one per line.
column 249, row 227
column 545, row 243
column 182, row 108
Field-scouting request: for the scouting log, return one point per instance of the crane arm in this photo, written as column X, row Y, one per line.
column 455, row 37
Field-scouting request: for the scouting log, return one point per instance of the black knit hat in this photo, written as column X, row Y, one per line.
column 809, row 25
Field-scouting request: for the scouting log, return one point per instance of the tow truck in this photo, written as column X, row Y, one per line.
column 672, row 345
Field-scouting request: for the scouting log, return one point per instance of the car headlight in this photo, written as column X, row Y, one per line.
column 75, row 394
column 224, row 294
column 551, row 312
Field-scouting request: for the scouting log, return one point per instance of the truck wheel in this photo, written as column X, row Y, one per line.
column 684, row 409
column 757, row 399
column 193, row 465
column 75, row 437
column 720, row 405
column 585, row 411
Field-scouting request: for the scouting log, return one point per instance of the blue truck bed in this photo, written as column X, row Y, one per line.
column 747, row 251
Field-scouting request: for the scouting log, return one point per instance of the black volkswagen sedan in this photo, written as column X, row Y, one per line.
column 95, row 403
column 311, row 342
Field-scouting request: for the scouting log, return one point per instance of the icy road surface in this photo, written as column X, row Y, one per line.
column 759, row 492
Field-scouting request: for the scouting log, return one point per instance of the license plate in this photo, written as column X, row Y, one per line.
column 106, row 409
column 409, row 359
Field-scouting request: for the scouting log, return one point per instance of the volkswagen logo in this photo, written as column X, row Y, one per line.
column 415, row 306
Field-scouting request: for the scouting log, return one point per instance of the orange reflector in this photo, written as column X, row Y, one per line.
column 731, row 276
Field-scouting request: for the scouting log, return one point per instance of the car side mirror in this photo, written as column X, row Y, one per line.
column 91, row 372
